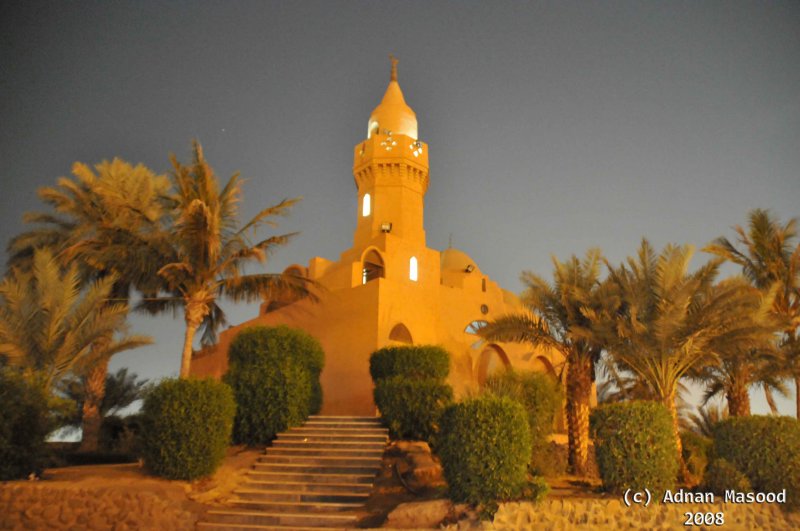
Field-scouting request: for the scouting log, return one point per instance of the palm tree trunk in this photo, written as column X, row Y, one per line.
column 683, row 471
column 797, row 396
column 94, row 391
column 738, row 401
column 194, row 313
column 188, row 339
column 579, row 389
column 773, row 407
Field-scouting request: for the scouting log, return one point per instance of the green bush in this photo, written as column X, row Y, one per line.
column 186, row 427
column 765, row 449
column 635, row 446
column 274, row 374
column 484, row 446
column 696, row 452
column 423, row 361
column 120, row 435
column 538, row 394
column 25, row 421
column 721, row 475
column 412, row 408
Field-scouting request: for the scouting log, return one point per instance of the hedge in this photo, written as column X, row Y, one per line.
column 25, row 421
column 696, row 453
column 423, row 361
column 274, row 374
column 722, row 476
column 484, row 446
column 765, row 449
column 635, row 446
column 537, row 393
column 412, row 408
column 186, row 427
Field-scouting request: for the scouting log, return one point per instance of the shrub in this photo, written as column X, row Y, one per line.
column 634, row 446
column 537, row 393
column 412, row 408
column 424, row 361
column 721, row 475
column 186, row 427
column 484, row 446
column 765, row 449
column 696, row 450
column 121, row 434
column 25, row 422
column 274, row 374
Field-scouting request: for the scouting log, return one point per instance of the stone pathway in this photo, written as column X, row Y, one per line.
column 317, row 476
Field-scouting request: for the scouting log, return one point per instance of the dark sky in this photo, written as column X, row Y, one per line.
column 553, row 126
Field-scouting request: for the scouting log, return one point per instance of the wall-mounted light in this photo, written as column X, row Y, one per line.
column 386, row 227
column 470, row 268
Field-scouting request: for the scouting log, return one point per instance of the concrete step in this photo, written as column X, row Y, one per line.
column 210, row 526
column 331, row 460
column 376, row 452
column 300, row 476
column 331, row 437
column 293, row 520
column 316, row 468
column 281, row 493
column 302, row 486
column 343, row 424
column 340, row 418
column 294, row 507
column 332, row 445
column 325, row 430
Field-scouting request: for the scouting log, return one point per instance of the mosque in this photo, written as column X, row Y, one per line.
column 389, row 288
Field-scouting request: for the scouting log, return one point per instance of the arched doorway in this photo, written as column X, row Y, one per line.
column 401, row 334
column 491, row 361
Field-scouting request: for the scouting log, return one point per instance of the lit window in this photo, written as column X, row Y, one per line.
column 474, row 326
column 412, row 268
column 366, row 206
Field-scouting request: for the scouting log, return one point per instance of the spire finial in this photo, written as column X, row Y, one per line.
column 394, row 61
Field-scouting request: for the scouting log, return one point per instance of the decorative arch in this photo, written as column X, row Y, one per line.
column 474, row 326
column 372, row 266
column 401, row 334
column 492, row 360
column 543, row 365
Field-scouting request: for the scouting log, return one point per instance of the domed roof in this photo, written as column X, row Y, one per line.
column 393, row 114
column 455, row 260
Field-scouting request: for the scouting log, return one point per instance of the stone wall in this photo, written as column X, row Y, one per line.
column 39, row 506
column 604, row 514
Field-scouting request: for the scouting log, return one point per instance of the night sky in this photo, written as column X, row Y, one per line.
column 553, row 126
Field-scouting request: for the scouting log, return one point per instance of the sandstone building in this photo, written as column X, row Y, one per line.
column 389, row 287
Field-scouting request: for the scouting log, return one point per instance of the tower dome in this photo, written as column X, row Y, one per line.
column 393, row 115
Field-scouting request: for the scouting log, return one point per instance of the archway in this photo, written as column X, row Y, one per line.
column 401, row 334
column 372, row 266
column 491, row 361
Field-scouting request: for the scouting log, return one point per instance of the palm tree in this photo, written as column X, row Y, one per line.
column 770, row 259
column 110, row 223
column 703, row 421
column 672, row 322
column 121, row 390
column 738, row 370
column 559, row 319
column 210, row 250
column 49, row 327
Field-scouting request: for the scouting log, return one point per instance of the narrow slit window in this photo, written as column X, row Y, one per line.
column 412, row 269
column 366, row 205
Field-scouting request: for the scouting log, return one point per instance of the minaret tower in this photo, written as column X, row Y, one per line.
column 390, row 169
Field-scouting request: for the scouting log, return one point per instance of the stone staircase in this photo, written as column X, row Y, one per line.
column 317, row 476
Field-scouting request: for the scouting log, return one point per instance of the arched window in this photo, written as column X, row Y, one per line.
column 412, row 269
column 401, row 334
column 366, row 205
column 372, row 267
column 474, row 326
